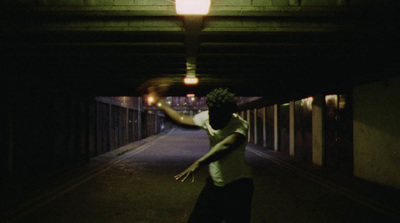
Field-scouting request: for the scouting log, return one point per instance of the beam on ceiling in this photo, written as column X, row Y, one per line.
column 215, row 10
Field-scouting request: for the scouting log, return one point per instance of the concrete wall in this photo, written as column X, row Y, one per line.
column 46, row 132
column 377, row 132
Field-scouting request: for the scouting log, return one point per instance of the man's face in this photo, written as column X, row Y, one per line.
column 219, row 118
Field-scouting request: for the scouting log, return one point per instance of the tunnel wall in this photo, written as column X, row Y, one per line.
column 47, row 133
column 358, row 131
column 377, row 132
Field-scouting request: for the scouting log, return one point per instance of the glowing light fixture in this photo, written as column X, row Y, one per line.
column 192, row 7
column 191, row 96
column 191, row 79
column 150, row 100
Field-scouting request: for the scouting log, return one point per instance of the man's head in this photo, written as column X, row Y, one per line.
column 221, row 104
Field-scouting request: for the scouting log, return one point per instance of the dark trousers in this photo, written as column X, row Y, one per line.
column 231, row 203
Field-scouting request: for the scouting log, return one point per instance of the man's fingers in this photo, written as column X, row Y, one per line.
column 178, row 176
column 185, row 175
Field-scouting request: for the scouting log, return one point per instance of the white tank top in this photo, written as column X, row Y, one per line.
column 233, row 166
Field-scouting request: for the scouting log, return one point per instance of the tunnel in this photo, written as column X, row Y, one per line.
column 316, row 81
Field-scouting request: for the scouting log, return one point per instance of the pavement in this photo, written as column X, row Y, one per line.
column 135, row 184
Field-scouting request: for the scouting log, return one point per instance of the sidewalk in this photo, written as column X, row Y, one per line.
column 381, row 198
column 66, row 180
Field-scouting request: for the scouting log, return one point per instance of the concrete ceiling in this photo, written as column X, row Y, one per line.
column 253, row 47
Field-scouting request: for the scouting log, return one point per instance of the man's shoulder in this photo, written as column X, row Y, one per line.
column 239, row 122
column 202, row 115
column 201, row 118
column 239, row 119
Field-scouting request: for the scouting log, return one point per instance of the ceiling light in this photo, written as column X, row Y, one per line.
column 192, row 7
column 191, row 79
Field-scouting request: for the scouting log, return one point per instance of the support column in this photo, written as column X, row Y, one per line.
column 97, row 131
column 342, row 2
column 294, row 2
column 110, row 130
column 255, row 137
column 318, row 127
column 264, row 121
column 276, row 128
column 139, row 118
column 126, row 125
column 155, row 122
column 248, row 118
column 193, row 25
column 291, row 129
column 10, row 166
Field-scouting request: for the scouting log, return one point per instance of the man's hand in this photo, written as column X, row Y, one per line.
column 153, row 94
column 189, row 171
column 156, row 87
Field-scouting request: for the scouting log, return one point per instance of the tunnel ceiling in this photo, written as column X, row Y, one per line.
column 255, row 50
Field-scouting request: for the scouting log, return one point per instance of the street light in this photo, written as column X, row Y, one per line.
column 192, row 7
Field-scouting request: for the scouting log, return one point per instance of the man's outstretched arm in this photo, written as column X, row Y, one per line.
column 175, row 116
column 220, row 150
column 153, row 92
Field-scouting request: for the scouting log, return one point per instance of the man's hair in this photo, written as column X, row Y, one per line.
column 221, row 99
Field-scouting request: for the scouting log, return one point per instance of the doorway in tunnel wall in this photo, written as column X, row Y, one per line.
column 269, row 131
column 283, row 123
column 303, row 129
column 339, row 133
column 259, row 120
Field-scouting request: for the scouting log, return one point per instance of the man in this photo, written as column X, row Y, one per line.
column 228, row 193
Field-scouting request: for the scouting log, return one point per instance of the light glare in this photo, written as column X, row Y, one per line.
column 192, row 7
column 150, row 100
column 191, row 80
column 307, row 102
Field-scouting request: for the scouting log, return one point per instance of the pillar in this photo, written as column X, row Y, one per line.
column 291, row 129
column 139, row 118
column 318, row 133
column 255, row 137
column 10, row 166
column 248, row 118
column 342, row 2
column 276, row 128
column 294, row 2
column 126, row 125
column 110, row 131
column 264, row 128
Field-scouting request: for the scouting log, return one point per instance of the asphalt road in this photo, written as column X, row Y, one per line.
column 136, row 184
